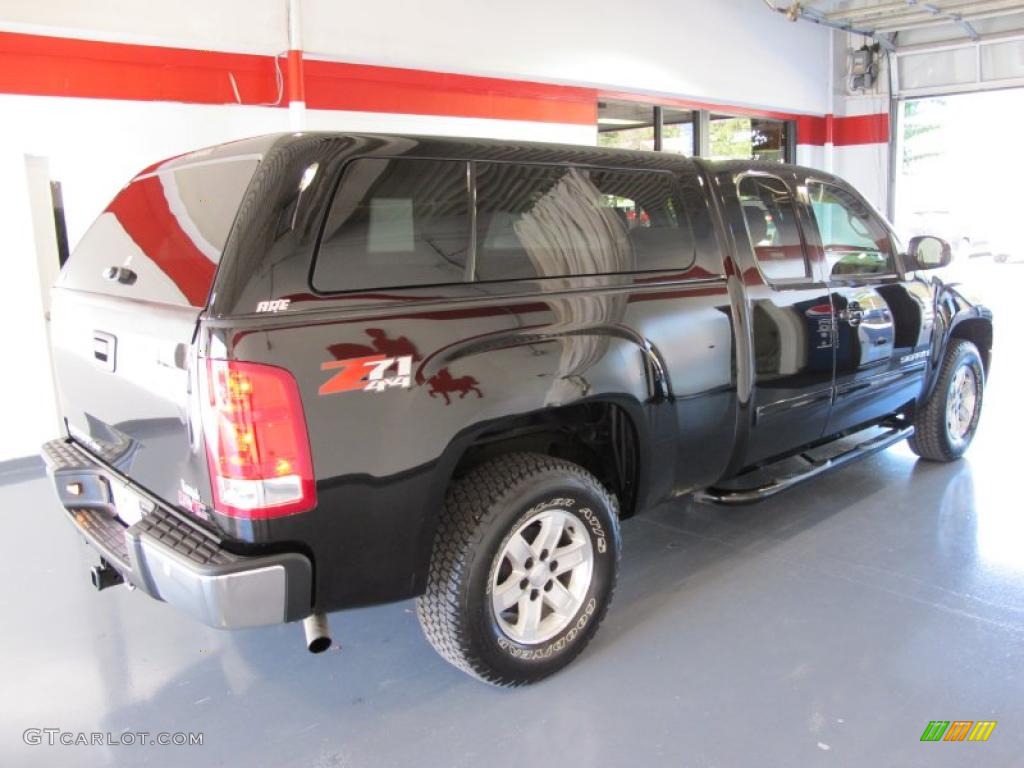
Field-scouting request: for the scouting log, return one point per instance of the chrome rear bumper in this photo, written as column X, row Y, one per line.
column 173, row 559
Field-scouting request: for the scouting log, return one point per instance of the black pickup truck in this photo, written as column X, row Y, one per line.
column 307, row 372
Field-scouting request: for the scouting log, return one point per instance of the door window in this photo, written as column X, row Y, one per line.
column 855, row 242
column 769, row 214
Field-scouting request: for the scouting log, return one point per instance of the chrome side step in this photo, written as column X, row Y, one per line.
column 895, row 432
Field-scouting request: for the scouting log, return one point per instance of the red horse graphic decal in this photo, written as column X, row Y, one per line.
column 380, row 344
column 443, row 383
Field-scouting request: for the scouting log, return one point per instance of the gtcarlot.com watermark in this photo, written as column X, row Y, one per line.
column 56, row 737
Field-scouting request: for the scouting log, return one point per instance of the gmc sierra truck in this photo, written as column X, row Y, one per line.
column 305, row 372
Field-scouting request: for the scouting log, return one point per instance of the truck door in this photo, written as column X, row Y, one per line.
column 879, row 318
column 790, row 312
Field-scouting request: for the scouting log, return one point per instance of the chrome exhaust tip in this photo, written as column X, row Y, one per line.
column 318, row 634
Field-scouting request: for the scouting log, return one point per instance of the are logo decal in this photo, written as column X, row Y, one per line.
column 276, row 305
column 374, row 373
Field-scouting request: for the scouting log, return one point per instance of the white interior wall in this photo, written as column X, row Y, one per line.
column 249, row 26
column 866, row 166
column 731, row 51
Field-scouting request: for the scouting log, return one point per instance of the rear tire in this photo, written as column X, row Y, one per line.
column 499, row 605
column 945, row 426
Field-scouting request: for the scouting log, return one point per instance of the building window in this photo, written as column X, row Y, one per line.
column 677, row 131
column 631, row 125
column 747, row 138
column 634, row 125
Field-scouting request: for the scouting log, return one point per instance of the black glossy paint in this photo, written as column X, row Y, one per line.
column 789, row 327
column 681, row 353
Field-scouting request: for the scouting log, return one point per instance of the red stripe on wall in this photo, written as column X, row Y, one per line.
column 363, row 88
column 53, row 66
column 843, row 131
column 810, row 130
column 862, row 129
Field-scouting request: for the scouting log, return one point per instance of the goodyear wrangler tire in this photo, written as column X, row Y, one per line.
column 524, row 564
column 945, row 426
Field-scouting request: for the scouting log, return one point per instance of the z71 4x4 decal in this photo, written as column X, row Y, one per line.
column 374, row 373
column 386, row 363
column 378, row 373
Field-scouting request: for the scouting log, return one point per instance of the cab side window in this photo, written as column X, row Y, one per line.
column 769, row 214
column 855, row 242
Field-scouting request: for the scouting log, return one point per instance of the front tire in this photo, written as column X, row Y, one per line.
column 524, row 565
column 945, row 426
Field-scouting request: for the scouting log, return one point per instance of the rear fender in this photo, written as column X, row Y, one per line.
column 641, row 390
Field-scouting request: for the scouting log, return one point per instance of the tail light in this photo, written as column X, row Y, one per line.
column 256, row 441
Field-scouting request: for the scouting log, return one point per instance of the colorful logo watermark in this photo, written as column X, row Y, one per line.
column 958, row 730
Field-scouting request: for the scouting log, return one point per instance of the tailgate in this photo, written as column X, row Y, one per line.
column 124, row 317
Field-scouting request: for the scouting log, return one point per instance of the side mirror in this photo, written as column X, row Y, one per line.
column 928, row 252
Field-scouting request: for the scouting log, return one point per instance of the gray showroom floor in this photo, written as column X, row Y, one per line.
column 824, row 627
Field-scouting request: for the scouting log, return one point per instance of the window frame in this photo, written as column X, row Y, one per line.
column 473, row 235
column 897, row 267
column 813, row 273
column 656, row 123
